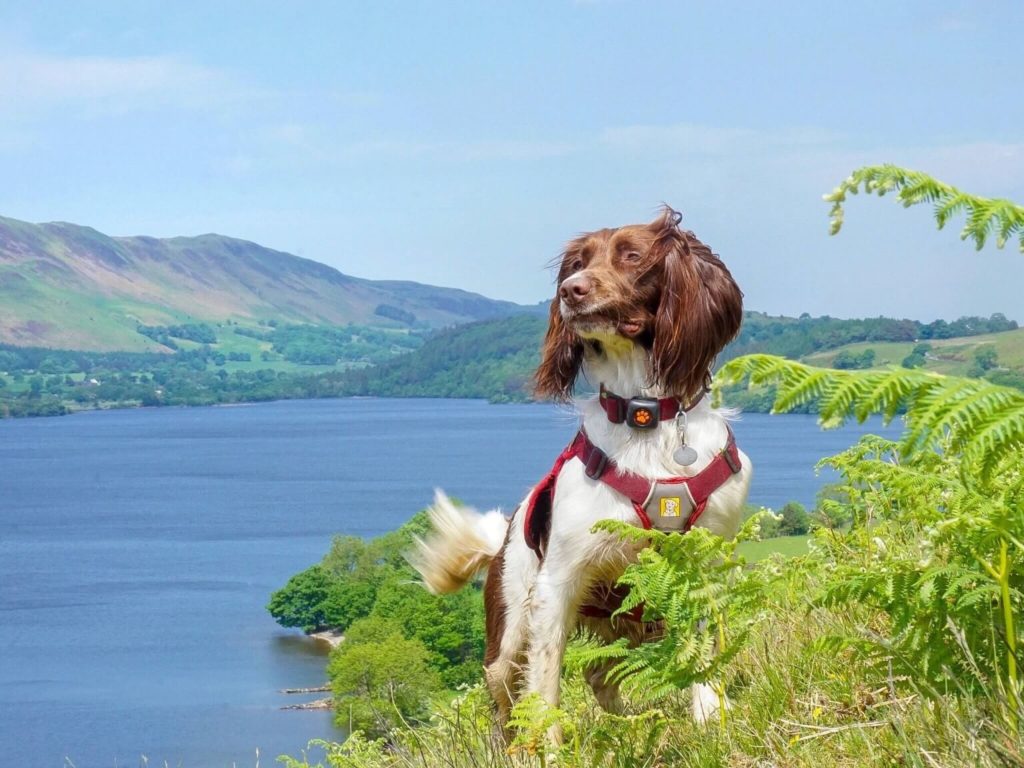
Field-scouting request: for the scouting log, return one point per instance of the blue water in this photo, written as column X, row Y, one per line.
column 139, row 547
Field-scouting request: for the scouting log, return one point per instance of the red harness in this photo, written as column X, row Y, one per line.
column 639, row 490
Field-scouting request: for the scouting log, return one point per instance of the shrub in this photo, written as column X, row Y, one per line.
column 380, row 678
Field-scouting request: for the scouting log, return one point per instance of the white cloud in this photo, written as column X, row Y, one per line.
column 457, row 151
column 700, row 139
column 986, row 168
column 296, row 145
column 32, row 82
column 991, row 169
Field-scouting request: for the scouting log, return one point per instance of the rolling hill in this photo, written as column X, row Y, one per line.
column 495, row 359
column 72, row 287
column 953, row 356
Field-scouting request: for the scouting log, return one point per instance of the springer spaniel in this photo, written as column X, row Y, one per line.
column 642, row 311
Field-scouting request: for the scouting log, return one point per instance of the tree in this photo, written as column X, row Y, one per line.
column 297, row 603
column 795, row 520
column 847, row 359
column 917, row 356
column 451, row 627
column 312, row 600
column 380, row 678
column 986, row 357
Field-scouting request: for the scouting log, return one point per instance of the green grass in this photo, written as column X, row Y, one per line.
column 949, row 356
column 793, row 704
column 787, row 546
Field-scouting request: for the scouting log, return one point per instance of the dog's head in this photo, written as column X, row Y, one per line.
column 653, row 284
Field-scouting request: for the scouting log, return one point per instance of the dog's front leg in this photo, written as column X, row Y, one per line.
column 552, row 619
column 553, row 611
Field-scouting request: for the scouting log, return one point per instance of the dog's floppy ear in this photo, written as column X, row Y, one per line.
column 699, row 311
column 560, row 358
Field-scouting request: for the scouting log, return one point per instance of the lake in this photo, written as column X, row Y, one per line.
column 138, row 549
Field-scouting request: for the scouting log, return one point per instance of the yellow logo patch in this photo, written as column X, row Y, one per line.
column 671, row 506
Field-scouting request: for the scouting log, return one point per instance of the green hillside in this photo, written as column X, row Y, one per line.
column 953, row 356
column 495, row 359
column 70, row 287
column 232, row 361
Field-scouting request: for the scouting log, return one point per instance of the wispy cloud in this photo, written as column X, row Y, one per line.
column 819, row 155
column 30, row 82
column 986, row 168
column 298, row 144
column 696, row 138
column 455, row 151
column 992, row 168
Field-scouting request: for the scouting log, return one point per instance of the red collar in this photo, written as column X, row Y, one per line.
column 641, row 412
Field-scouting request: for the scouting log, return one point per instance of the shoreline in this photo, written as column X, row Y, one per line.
column 75, row 409
column 107, row 406
column 329, row 636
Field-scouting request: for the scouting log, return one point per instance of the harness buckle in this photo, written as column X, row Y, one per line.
column 596, row 464
column 643, row 413
column 670, row 506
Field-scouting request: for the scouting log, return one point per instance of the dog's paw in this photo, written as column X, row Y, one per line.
column 706, row 703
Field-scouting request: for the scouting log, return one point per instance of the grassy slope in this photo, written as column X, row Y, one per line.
column 948, row 356
column 71, row 287
column 788, row 546
column 793, row 703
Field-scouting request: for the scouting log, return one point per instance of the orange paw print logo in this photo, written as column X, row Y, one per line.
column 642, row 417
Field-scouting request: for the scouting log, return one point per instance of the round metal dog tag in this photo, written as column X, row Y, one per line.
column 684, row 456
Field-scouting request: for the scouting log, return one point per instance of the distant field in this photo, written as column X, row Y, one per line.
column 948, row 356
column 784, row 545
column 228, row 341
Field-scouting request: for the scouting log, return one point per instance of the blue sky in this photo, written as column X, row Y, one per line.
column 463, row 143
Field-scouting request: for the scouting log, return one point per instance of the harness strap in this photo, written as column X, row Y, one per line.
column 638, row 489
column 598, row 466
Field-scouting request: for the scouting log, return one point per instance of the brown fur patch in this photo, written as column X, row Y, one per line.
column 494, row 605
column 658, row 286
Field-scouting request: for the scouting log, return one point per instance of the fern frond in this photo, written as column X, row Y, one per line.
column 985, row 216
column 982, row 421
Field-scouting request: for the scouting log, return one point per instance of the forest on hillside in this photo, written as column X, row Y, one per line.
column 491, row 359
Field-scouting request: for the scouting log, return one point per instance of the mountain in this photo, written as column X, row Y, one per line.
column 68, row 286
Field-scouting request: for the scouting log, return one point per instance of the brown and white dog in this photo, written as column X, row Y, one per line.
column 642, row 310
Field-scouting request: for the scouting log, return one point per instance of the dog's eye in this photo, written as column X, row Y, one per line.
column 631, row 256
column 577, row 265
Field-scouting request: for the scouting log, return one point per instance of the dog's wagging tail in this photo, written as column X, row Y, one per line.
column 641, row 311
column 463, row 542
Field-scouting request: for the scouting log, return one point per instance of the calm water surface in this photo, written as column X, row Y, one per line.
column 138, row 549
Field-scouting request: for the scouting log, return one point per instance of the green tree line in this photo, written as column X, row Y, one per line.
column 492, row 359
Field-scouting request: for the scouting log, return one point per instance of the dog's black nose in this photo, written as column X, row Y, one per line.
column 574, row 289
